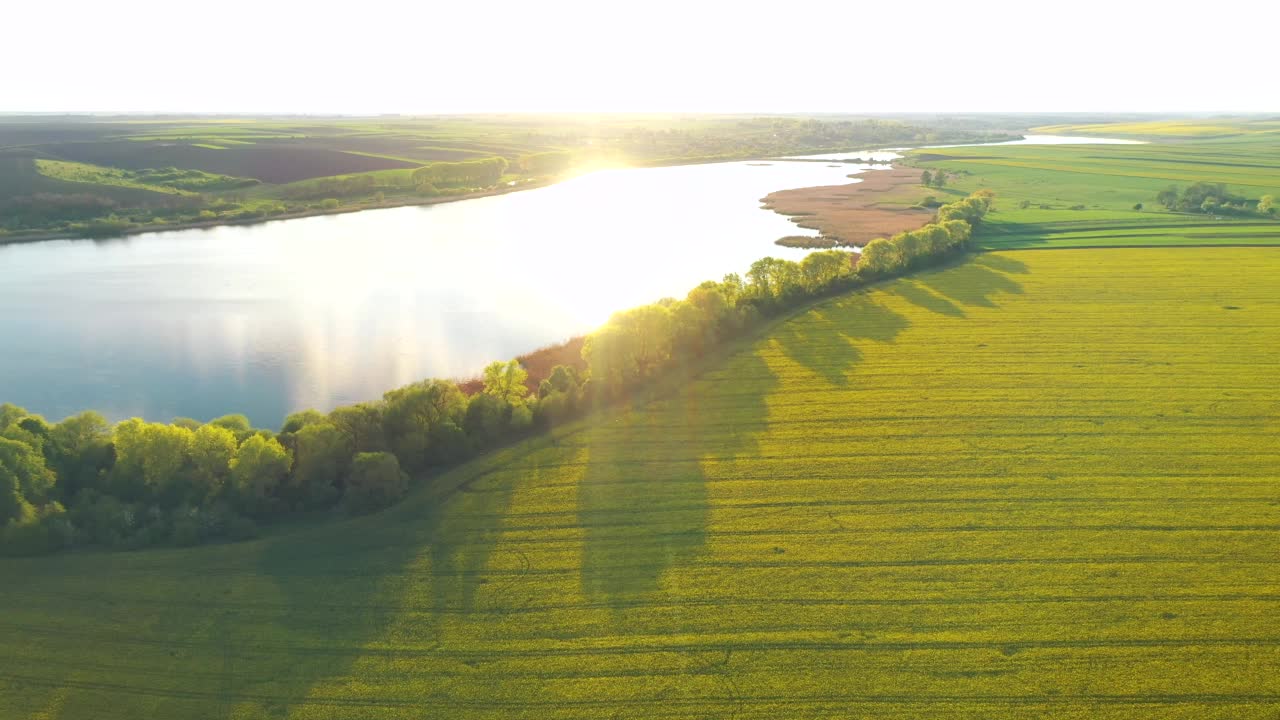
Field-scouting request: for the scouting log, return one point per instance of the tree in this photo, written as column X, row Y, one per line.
column 81, row 452
column 1168, row 197
column 821, row 269
column 1266, row 205
column 468, row 173
column 299, row 420
column 1138, row 207
column 880, row 257
column 611, row 361
column 506, row 381
column 939, row 179
column 321, row 458
column 212, row 449
column 30, row 430
column 632, row 345
column 376, row 481
column 10, row 414
column 648, row 330
column 237, row 424
column 958, row 232
column 563, row 378
column 909, row 246
column 149, row 457
column 362, row 424
column 414, row 415
column 257, row 470
column 546, row 163
column 487, row 419
column 25, row 480
column 926, row 178
column 934, row 239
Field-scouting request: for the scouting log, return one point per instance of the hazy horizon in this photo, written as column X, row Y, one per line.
column 567, row 57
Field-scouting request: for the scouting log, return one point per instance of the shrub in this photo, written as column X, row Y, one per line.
column 376, row 481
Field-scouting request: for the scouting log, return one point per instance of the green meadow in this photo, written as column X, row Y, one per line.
column 1030, row 484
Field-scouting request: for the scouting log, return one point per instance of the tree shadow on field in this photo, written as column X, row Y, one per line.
column 642, row 502
column 464, row 542
column 923, row 297
column 338, row 588
column 1002, row 263
column 824, row 339
column 346, row 585
column 1015, row 234
column 975, row 282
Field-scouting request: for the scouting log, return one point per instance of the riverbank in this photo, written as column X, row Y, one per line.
column 859, row 212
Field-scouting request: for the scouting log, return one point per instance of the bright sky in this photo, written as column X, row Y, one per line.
column 449, row 56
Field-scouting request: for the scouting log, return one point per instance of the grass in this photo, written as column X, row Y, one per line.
column 1024, row 486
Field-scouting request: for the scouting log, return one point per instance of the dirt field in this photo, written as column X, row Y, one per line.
column 859, row 212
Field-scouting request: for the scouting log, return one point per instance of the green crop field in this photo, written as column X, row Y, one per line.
column 1034, row 484
column 1186, row 128
column 1085, row 195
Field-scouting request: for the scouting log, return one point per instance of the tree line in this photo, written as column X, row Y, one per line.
column 637, row 344
column 1213, row 198
column 84, row 482
column 467, row 173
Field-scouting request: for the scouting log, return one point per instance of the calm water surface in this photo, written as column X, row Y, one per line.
column 317, row 312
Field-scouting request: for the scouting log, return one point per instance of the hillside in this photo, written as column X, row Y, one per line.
column 1026, row 485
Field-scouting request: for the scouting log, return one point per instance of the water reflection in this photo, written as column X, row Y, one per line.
column 316, row 312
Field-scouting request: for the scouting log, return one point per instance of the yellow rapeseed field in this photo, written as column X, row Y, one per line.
column 1035, row 484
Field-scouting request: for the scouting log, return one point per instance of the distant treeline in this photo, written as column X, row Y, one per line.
column 487, row 172
column 83, row 482
column 468, row 173
column 546, row 163
column 767, row 137
column 334, row 187
column 1213, row 198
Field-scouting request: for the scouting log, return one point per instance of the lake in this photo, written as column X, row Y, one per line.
column 318, row 312
column 892, row 153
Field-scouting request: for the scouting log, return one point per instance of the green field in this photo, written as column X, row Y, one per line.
column 1034, row 484
column 1084, row 195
